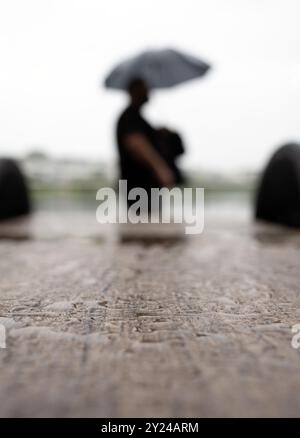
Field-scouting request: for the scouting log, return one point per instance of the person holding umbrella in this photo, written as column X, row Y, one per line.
column 148, row 155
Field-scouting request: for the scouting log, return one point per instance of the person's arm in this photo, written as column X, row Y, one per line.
column 143, row 151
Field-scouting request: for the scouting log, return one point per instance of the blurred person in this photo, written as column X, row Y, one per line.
column 147, row 155
column 278, row 194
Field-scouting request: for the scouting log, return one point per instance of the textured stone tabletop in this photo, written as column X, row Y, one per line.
column 195, row 327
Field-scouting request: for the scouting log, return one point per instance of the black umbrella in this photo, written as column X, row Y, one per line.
column 159, row 68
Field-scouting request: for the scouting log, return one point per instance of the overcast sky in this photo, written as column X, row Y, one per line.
column 54, row 55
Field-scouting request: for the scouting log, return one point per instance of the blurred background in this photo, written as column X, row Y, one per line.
column 58, row 121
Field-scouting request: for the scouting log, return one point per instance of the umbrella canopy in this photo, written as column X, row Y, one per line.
column 159, row 68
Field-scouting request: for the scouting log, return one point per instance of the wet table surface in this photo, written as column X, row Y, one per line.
column 150, row 324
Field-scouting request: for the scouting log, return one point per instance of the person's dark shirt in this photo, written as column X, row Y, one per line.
column 133, row 170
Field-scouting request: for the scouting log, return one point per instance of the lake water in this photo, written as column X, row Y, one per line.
column 218, row 205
